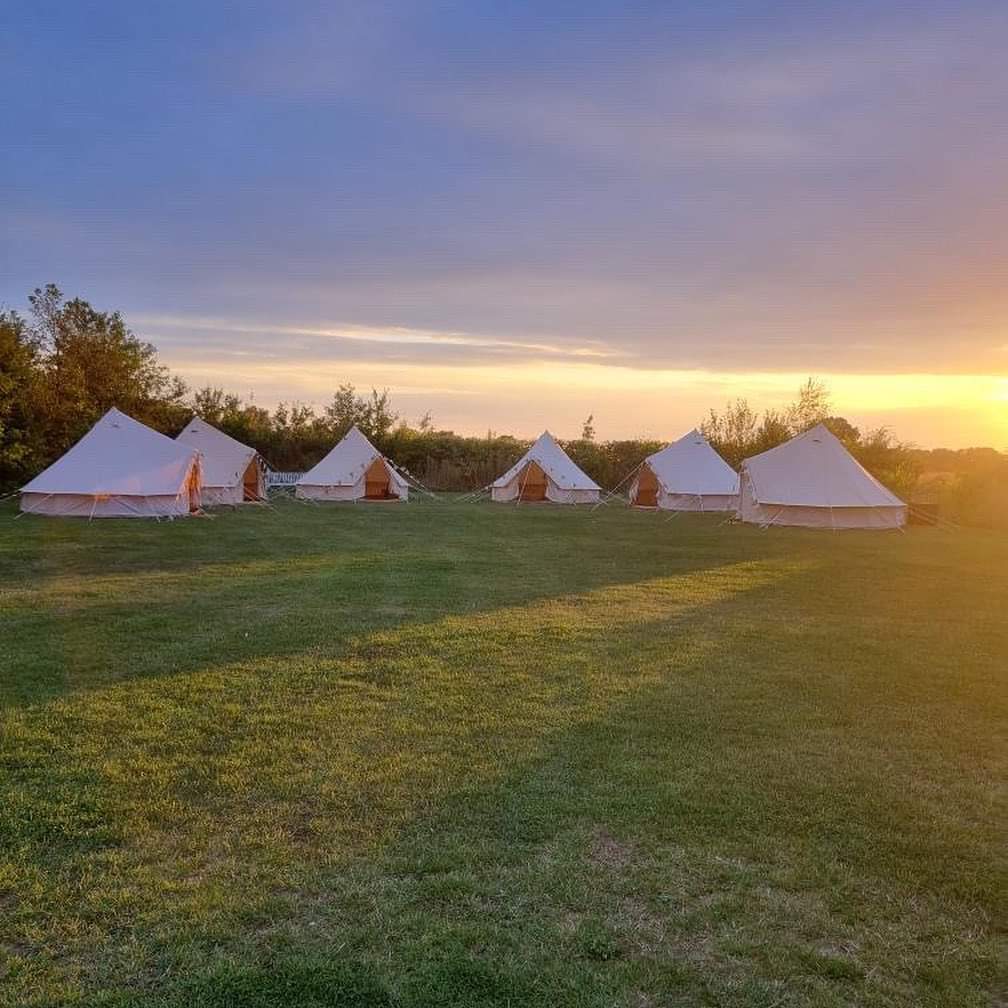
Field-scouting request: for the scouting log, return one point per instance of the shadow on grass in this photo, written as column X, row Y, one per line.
column 632, row 793
column 81, row 616
column 219, row 773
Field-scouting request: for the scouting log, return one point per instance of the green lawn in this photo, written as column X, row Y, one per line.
column 486, row 755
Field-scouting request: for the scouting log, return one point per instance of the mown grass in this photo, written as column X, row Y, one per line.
column 480, row 755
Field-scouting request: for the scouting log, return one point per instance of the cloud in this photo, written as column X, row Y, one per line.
column 287, row 341
column 794, row 99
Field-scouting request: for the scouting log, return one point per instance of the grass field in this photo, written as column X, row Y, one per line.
column 487, row 755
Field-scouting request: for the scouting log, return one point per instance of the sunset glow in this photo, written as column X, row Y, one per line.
column 956, row 410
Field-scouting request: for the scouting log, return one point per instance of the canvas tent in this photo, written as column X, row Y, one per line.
column 687, row 475
column 545, row 473
column 119, row 469
column 353, row 471
column 812, row 480
column 232, row 471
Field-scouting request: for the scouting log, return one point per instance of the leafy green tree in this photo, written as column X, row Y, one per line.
column 377, row 418
column 889, row 460
column 733, row 433
column 92, row 362
column 810, row 408
column 843, row 429
column 209, row 404
column 373, row 415
column 344, row 410
column 22, row 450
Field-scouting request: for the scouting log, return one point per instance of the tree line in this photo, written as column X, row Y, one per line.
column 65, row 363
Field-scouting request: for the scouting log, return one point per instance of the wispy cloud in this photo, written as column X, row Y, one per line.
column 390, row 335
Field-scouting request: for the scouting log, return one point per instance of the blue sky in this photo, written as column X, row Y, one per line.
column 516, row 214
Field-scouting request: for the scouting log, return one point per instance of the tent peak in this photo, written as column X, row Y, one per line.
column 114, row 414
column 819, row 434
column 691, row 435
column 819, row 430
column 547, row 436
column 354, row 433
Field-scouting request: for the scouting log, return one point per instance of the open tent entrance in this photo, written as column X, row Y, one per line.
column 532, row 483
column 378, row 483
column 252, row 482
column 647, row 488
column 194, row 483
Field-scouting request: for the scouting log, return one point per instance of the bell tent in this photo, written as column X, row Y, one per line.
column 687, row 475
column 545, row 473
column 119, row 469
column 812, row 480
column 354, row 470
column 232, row 471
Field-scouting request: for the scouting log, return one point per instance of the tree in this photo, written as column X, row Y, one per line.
column 889, row 460
column 733, row 432
column 344, row 410
column 21, row 447
column 811, row 407
column 377, row 417
column 843, row 429
column 374, row 415
column 588, row 428
column 92, row 362
column 208, row 403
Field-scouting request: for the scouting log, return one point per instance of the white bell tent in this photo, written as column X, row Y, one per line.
column 687, row 475
column 812, row 480
column 353, row 471
column 119, row 469
column 545, row 473
column 232, row 472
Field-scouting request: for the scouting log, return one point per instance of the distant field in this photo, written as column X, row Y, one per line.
column 486, row 755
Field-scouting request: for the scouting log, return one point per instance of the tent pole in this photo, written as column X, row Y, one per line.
column 767, row 525
column 521, row 488
column 612, row 493
column 475, row 495
column 44, row 499
column 935, row 519
column 407, row 473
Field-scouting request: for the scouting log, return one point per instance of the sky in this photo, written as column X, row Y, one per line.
column 516, row 214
